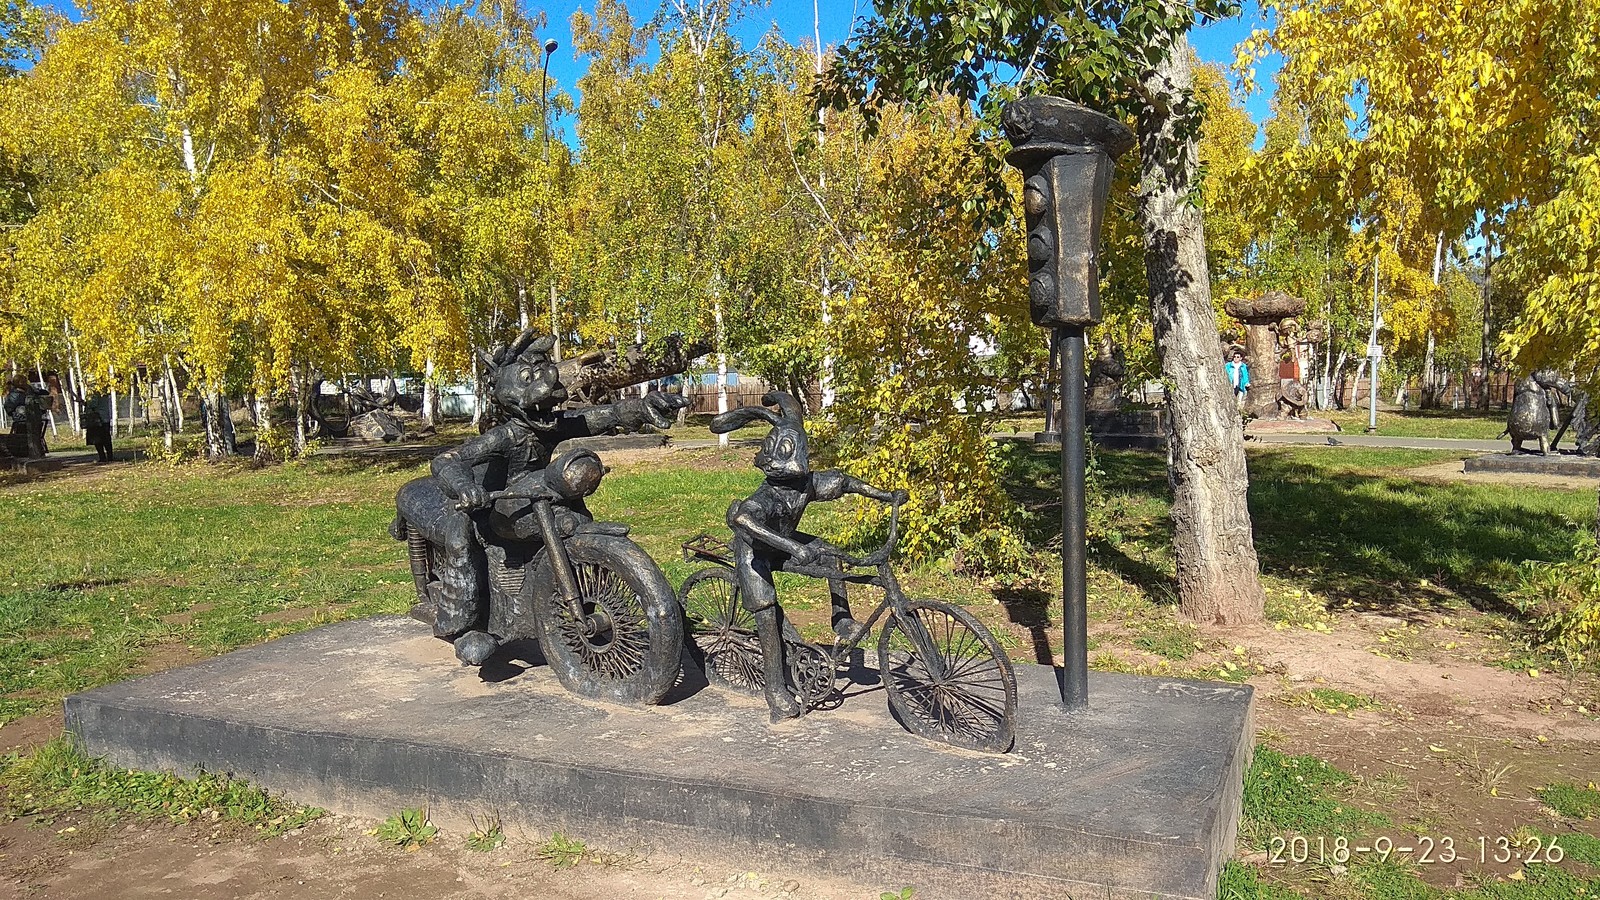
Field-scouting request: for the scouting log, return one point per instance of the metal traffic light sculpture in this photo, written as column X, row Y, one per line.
column 1067, row 154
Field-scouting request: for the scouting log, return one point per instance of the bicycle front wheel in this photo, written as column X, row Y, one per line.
column 947, row 678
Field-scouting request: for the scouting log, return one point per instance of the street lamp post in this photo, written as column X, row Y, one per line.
column 544, row 124
column 1067, row 154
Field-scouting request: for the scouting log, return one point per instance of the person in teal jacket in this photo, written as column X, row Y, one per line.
column 1238, row 375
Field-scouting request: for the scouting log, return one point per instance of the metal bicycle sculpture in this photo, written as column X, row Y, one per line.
column 946, row 677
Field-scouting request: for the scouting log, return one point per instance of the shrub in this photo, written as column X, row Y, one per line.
column 1563, row 600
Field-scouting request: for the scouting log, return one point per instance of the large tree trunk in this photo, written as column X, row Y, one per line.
column 219, row 426
column 1218, row 577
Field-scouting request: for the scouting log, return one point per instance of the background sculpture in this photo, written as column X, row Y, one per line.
column 27, row 405
column 1536, row 408
column 1269, row 317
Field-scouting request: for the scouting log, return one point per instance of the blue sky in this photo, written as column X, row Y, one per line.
column 793, row 18
column 833, row 19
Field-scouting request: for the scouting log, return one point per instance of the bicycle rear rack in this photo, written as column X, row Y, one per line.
column 708, row 548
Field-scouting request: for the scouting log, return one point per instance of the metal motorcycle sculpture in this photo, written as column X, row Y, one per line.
column 502, row 545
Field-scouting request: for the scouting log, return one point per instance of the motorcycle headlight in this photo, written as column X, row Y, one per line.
column 574, row 474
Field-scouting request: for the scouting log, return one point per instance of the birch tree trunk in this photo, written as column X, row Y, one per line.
column 263, row 415
column 430, row 394
column 111, row 394
column 722, row 370
column 170, row 410
column 218, row 420
column 297, row 383
column 1218, row 572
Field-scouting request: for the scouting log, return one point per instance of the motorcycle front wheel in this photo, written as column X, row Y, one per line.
column 627, row 644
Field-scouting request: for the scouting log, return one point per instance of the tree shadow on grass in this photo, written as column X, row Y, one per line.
column 1371, row 540
column 1363, row 538
column 380, row 459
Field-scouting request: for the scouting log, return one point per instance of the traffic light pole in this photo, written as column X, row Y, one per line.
column 1067, row 154
column 1074, row 522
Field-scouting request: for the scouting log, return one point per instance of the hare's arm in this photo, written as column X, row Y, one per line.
column 748, row 517
column 834, row 484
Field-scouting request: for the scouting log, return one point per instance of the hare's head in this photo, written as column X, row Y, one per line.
column 783, row 454
column 523, row 382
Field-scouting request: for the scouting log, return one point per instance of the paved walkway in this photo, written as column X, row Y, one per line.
column 1346, row 439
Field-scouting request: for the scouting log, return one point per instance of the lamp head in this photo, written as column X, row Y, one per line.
column 550, row 46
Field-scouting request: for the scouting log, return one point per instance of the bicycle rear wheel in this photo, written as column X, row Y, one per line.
column 947, row 678
column 721, row 632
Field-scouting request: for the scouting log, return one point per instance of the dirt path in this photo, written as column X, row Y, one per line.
column 73, row 857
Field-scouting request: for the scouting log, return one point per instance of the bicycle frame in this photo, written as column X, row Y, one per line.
column 893, row 598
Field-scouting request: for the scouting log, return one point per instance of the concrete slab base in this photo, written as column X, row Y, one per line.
column 1258, row 427
column 1139, row 796
column 1534, row 464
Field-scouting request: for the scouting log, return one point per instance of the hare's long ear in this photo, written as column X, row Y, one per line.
column 734, row 419
column 787, row 404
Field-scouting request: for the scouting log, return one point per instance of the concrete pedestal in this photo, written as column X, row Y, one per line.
column 1139, row 796
column 1566, row 466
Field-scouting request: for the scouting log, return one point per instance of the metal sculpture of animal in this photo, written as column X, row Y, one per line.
column 527, row 394
column 766, row 530
column 1535, row 409
column 1586, row 429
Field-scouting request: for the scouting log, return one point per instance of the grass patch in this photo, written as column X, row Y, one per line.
column 1242, row 881
column 1303, row 794
column 1171, row 641
column 1579, row 847
column 487, row 834
column 562, row 852
column 58, row 777
column 1574, row 801
column 1328, row 700
column 408, row 830
column 1465, row 424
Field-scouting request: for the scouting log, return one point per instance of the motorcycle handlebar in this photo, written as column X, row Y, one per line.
column 508, row 495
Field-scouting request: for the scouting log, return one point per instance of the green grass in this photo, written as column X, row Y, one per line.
column 562, row 852
column 1328, row 700
column 1287, row 794
column 408, row 829
column 57, row 777
column 1433, row 423
column 1572, row 800
column 1303, row 794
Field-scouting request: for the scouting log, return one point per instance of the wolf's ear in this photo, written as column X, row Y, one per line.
column 734, row 419
column 489, row 362
column 542, row 345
